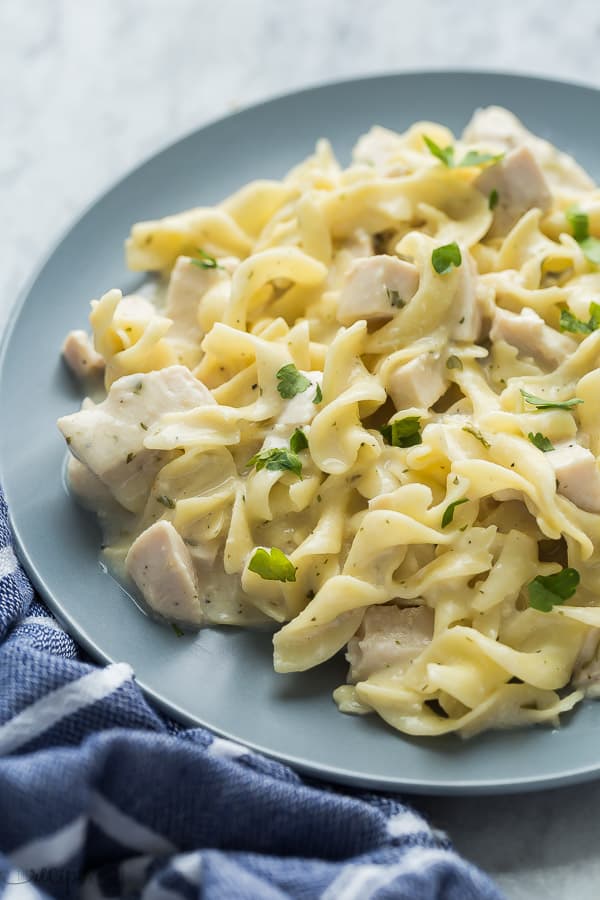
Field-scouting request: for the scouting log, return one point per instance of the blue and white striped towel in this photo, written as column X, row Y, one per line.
column 100, row 796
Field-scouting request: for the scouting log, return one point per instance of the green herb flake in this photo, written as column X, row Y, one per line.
column 541, row 441
column 453, row 362
column 579, row 222
column 276, row 460
column 130, row 456
column 470, row 159
column 272, row 565
column 444, row 258
column 546, row 591
column 445, row 155
column 569, row 322
column 166, row 501
column 177, row 630
column 68, row 440
column 493, row 199
column 318, row 398
column 542, row 403
column 475, row 158
column 449, row 511
column 144, row 427
column 205, row 261
column 477, row 435
column 138, row 388
column 298, row 441
column 395, row 299
column 291, row 382
column 591, row 249
column 403, row 432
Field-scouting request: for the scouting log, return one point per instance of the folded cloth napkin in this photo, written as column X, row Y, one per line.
column 100, row 796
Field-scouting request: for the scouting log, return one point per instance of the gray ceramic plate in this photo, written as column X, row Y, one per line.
column 224, row 679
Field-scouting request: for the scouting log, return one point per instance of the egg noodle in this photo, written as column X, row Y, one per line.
column 365, row 405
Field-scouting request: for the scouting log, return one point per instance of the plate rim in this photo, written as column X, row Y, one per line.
column 322, row 772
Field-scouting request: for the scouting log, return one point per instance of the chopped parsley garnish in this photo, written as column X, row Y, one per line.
column 540, row 441
column 298, row 441
column 395, row 298
column 542, row 403
column 177, row 629
column 580, row 223
column 130, row 456
column 453, row 362
column 477, row 435
column 475, row 158
column 291, row 382
column 144, row 427
column 318, row 398
column 445, row 155
column 443, row 259
column 546, row 591
column 449, row 511
column 166, row 501
column 569, row 322
column 493, row 199
column 276, row 460
column 272, row 565
column 403, row 432
column 591, row 249
column 471, row 158
column 205, row 261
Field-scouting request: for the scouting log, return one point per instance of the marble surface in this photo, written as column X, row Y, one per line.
column 88, row 89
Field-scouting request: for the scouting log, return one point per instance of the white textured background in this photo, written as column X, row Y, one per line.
column 90, row 87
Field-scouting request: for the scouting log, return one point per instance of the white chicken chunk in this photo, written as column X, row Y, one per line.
column 161, row 566
column 530, row 335
column 188, row 283
column 89, row 490
column 499, row 130
column 519, row 184
column 495, row 126
column 376, row 288
column 420, row 382
column 577, row 475
column 80, row 355
column 388, row 636
column 376, row 146
column 109, row 438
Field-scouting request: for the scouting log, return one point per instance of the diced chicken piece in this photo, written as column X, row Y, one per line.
column 88, row 489
column 520, row 185
column 531, row 336
column 80, row 355
column 578, row 476
column 499, row 130
column 161, row 566
column 388, row 636
column 495, row 125
column 376, row 288
column 187, row 285
column 420, row 382
column 109, row 437
column 376, row 146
